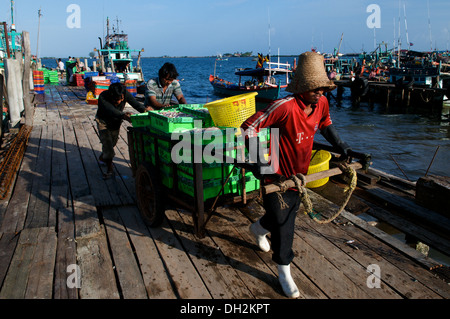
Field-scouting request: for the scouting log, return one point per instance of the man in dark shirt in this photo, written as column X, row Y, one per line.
column 109, row 118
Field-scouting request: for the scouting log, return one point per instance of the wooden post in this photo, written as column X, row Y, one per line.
column 408, row 99
column 6, row 40
column 403, row 98
column 387, row 98
column 340, row 91
column 94, row 66
column 29, row 110
column 1, row 104
column 102, row 64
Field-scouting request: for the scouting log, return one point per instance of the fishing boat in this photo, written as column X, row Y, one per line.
column 115, row 55
column 220, row 57
column 262, row 79
column 10, row 40
column 417, row 68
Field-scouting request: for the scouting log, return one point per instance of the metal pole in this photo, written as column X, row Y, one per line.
column 39, row 27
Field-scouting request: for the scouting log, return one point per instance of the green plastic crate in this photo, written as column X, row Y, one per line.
column 140, row 120
column 211, row 188
column 210, row 171
column 200, row 112
column 166, row 179
column 170, row 124
column 251, row 183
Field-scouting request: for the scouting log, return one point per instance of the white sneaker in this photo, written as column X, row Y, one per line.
column 287, row 283
column 260, row 235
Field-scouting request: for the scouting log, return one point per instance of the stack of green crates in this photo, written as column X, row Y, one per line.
column 53, row 77
column 214, row 174
column 46, row 75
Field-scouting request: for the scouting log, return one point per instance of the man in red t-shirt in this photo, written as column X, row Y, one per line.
column 297, row 118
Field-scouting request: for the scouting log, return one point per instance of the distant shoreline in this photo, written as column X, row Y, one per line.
column 181, row 57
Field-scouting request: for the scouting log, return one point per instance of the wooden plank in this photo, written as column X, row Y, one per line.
column 79, row 186
column 240, row 254
column 412, row 210
column 335, row 193
column 122, row 159
column 86, row 217
column 128, row 273
column 59, row 185
column 15, row 283
column 40, row 282
column 8, row 242
column 424, row 235
column 323, row 273
column 115, row 186
column 220, row 278
column 32, row 256
column 308, row 290
column 322, row 264
column 15, row 214
column 38, row 206
column 65, row 255
column 433, row 192
column 418, row 257
column 96, row 267
column 414, row 270
column 152, row 267
column 365, row 255
column 186, row 279
column 401, row 259
column 93, row 171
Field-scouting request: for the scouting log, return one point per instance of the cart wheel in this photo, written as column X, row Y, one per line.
column 150, row 196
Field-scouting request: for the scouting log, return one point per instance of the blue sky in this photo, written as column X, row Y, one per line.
column 209, row 27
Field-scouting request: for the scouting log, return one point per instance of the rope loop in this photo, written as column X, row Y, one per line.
column 299, row 181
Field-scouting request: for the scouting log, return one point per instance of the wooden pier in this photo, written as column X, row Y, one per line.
column 66, row 233
column 395, row 99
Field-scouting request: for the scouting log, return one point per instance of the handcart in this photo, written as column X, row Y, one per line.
column 196, row 186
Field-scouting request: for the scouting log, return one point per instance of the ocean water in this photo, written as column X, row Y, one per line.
column 409, row 139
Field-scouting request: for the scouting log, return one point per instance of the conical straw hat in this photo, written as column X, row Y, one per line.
column 310, row 75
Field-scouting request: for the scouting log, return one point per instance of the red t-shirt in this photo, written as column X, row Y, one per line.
column 296, row 130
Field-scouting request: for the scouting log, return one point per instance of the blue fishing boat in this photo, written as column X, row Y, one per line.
column 262, row 79
column 115, row 55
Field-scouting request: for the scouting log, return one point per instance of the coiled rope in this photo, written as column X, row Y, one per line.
column 300, row 183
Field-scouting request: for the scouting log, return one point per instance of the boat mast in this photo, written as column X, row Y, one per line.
column 107, row 33
column 429, row 25
column 395, row 36
column 12, row 14
column 399, row 34
column 340, row 42
column 268, row 14
column 406, row 27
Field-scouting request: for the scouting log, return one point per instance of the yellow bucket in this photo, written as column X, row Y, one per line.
column 232, row 111
column 320, row 162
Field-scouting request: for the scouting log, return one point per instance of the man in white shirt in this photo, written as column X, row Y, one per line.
column 60, row 67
